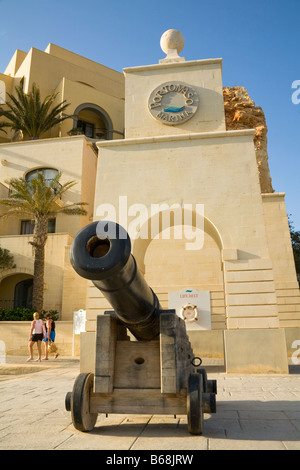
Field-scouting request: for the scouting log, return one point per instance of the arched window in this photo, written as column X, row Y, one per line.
column 93, row 122
column 49, row 174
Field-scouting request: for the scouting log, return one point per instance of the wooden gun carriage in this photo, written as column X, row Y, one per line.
column 152, row 372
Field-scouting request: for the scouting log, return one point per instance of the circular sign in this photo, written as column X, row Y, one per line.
column 173, row 103
column 189, row 312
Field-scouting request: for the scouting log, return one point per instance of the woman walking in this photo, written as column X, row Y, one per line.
column 50, row 337
column 37, row 333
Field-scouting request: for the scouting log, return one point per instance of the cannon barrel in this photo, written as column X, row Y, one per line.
column 107, row 261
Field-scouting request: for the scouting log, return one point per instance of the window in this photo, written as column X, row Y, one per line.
column 49, row 174
column 27, row 226
column 23, row 294
column 87, row 128
column 51, row 225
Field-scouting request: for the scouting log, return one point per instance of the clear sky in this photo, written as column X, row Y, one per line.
column 259, row 41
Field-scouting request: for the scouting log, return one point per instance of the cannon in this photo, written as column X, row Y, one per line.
column 144, row 362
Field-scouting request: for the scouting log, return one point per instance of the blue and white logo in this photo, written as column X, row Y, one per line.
column 173, row 103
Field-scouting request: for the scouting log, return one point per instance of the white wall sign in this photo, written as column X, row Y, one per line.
column 79, row 321
column 193, row 307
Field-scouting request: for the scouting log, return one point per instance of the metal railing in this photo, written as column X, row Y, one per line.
column 6, row 304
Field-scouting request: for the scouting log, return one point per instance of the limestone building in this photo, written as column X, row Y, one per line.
column 178, row 152
column 189, row 179
column 96, row 110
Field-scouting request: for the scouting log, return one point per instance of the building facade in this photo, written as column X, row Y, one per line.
column 176, row 161
column 179, row 158
column 96, row 108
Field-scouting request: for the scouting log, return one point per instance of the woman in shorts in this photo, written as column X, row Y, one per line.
column 50, row 336
column 36, row 335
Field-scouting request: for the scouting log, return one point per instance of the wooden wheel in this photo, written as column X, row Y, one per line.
column 82, row 419
column 209, row 386
column 68, row 400
column 204, row 378
column 194, row 403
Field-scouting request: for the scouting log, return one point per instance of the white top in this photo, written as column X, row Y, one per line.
column 38, row 327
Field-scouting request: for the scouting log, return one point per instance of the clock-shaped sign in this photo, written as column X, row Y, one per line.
column 173, row 103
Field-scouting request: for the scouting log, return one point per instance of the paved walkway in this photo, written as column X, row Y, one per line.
column 253, row 412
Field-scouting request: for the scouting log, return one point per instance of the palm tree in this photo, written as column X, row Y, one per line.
column 3, row 124
column 40, row 201
column 27, row 113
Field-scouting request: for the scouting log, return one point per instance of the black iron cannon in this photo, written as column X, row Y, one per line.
column 155, row 373
column 108, row 262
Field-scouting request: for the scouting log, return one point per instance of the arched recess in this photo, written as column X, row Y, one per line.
column 169, row 266
column 153, row 227
column 93, row 121
column 16, row 289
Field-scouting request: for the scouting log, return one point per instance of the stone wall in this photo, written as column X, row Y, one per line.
column 14, row 338
column 241, row 113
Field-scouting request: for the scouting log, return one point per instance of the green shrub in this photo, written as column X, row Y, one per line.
column 6, row 259
column 24, row 314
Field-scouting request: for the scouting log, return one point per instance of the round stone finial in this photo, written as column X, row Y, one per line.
column 172, row 39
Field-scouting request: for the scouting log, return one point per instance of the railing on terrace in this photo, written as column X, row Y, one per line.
column 6, row 304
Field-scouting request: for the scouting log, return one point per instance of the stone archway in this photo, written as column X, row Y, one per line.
column 8, row 283
column 169, row 267
column 93, row 121
column 140, row 245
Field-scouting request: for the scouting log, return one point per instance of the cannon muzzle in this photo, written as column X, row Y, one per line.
column 104, row 256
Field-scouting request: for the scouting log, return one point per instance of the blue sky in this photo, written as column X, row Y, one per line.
column 259, row 41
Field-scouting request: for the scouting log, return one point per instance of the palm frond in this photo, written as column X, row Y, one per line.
column 2, row 125
column 27, row 112
column 73, row 209
column 37, row 198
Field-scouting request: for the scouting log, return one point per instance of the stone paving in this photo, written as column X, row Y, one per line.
column 254, row 412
